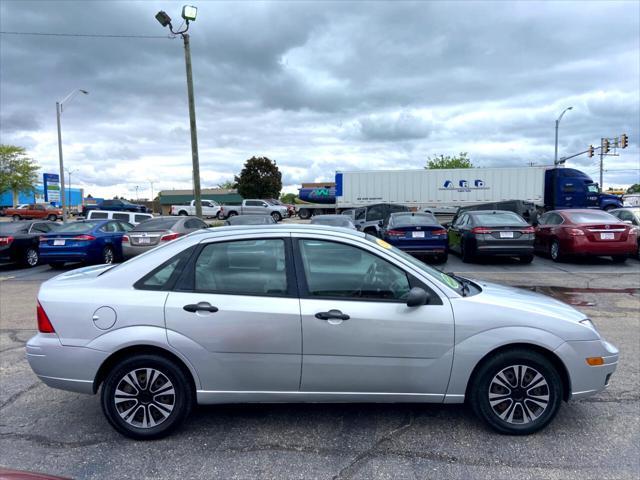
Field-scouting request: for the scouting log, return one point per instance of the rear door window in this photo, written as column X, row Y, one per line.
column 95, row 215
column 121, row 216
column 141, row 218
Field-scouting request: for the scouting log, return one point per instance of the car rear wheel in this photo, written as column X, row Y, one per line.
column 276, row 216
column 31, row 257
column 15, row 218
column 182, row 213
column 232, row 214
column 146, row 397
column 554, row 251
column 108, row 255
column 516, row 392
column 526, row 258
column 52, row 218
column 619, row 258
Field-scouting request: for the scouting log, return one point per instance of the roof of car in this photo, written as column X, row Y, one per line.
column 475, row 212
column 289, row 227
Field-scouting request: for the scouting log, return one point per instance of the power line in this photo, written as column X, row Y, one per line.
column 92, row 35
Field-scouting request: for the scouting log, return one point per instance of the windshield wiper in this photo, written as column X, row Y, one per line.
column 464, row 288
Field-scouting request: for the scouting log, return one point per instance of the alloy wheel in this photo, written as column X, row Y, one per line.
column 519, row 394
column 555, row 250
column 108, row 255
column 31, row 257
column 144, row 398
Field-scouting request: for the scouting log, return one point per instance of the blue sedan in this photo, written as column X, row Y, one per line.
column 88, row 241
column 418, row 234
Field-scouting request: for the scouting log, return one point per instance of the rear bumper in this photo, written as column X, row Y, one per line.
column 129, row 251
column 505, row 249
column 583, row 246
column 64, row 367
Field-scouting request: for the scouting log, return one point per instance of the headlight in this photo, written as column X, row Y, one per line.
column 588, row 323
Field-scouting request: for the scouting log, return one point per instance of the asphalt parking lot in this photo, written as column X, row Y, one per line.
column 47, row 430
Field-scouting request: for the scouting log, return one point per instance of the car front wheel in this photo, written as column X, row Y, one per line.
column 276, row 217
column 516, row 392
column 31, row 257
column 554, row 251
column 146, row 397
column 108, row 255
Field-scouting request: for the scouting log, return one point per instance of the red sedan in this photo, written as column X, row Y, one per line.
column 562, row 233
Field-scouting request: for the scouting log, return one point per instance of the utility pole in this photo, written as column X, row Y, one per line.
column 189, row 13
column 62, row 199
column 601, row 162
column 192, row 122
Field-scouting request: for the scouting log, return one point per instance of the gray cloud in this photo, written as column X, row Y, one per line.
column 319, row 86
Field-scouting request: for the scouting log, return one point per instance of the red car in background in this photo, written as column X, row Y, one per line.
column 37, row 211
column 562, row 233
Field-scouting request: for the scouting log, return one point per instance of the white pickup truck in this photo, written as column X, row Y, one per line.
column 209, row 208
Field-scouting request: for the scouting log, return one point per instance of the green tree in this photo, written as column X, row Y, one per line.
column 18, row 172
column 260, row 178
column 228, row 185
column 449, row 161
column 289, row 198
column 635, row 188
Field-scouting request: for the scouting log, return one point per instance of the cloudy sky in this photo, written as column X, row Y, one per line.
column 319, row 87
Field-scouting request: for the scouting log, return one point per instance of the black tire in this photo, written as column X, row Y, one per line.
column 442, row 258
column 304, row 213
column 220, row 216
column 176, row 407
column 554, row 251
column 465, row 251
column 509, row 363
column 232, row 214
column 182, row 213
column 526, row 258
column 56, row 265
column 108, row 255
column 619, row 258
column 276, row 216
column 52, row 218
column 30, row 257
column 15, row 218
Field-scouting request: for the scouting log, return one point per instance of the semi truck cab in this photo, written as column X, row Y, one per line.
column 571, row 188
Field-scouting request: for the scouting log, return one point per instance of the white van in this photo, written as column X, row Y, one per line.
column 134, row 218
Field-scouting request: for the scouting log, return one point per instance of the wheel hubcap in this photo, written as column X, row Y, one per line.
column 144, row 398
column 519, row 394
column 32, row 257
column 554, row 250
column 108, row 256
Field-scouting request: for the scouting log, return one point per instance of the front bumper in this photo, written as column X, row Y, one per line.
column 64, row 367
column 588, row 380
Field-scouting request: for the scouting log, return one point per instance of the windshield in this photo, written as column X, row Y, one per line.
column 591, row 217
column 498, row 219
column 156, row 224
column 434, row 273
column 250, row 220
column 333, row 221
column 78, row 227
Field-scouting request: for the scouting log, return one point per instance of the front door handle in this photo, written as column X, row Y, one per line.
column 200, row 307
column 332, row 315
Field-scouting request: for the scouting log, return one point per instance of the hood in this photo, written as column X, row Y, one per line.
column 527, row 301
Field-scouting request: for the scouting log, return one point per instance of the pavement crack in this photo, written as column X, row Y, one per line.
column 356, row 464
column 46, row 442
column 17, row 395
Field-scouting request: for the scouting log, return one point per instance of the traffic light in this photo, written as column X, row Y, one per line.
column 591, row 150
column 624, row 141
column 605, row 145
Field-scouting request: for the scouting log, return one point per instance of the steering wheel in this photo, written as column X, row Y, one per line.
column 377, row 279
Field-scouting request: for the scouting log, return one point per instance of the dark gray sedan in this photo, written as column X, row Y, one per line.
column 343, row 221
column 250, row 220
column 491, row 232
column 157, row 231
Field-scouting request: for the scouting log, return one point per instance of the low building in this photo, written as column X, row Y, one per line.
column 73, row 196
column 223, row 196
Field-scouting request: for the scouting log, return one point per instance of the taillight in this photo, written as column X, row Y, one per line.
column 125, row 239
column 481, row 230
column 574, row 232
column 43, row 239
column 84, row 238
column 44, row 324
column 170, row 236
column 528, row 230
column 395, row 233
column 6, row 240
column 439, row 232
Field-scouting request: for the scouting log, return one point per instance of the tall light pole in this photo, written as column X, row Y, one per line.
column 188, row 14
column 59, row 110
column 137, row 193
column 151, row 182
column 555, row 159
column 69, row 172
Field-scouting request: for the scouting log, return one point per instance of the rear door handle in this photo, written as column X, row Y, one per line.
column 332, row 315
column 200, row 307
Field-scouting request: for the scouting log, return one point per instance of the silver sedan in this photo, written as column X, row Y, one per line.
column 157, row 231
column 300, row 313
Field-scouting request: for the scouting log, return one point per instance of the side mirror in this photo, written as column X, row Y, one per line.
column 417, row 297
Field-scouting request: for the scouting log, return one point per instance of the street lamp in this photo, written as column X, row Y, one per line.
column 555, row 160
column 137, row 200
column 69, row 172
column 59, row 110
column 189, row 14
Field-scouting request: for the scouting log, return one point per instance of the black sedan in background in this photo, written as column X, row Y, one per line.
column 491, row 233
column 20, row 241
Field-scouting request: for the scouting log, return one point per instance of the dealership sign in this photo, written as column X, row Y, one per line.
column 51, row 183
